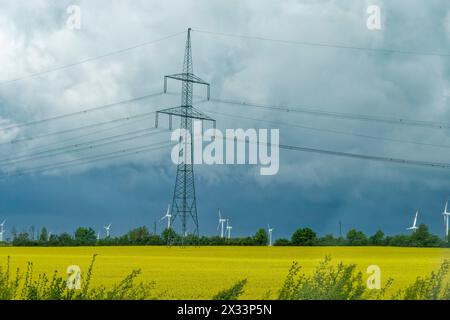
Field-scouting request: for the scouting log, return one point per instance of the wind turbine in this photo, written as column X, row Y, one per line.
column 168, row 216
column 270, row 235
column 2, row 230
column 221, row 222
column 229, row 227
column 446, row 215
column 414, row 226
column 107, row 229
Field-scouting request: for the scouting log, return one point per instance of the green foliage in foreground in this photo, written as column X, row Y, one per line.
column 327, row 282
column 432, row 287
column 233, row 293
column 344, row 282
column 25, row 286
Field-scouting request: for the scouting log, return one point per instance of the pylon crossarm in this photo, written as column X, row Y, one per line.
column 181, row 112
column 188, row 77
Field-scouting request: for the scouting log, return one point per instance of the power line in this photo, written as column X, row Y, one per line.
column 127, row 118
column 81, row 146
column 43, row 72
column 77, row 137
column 137, row 150
column 341, row 115
column 327, row 45
column 368, row 157
column 354, row 155
column 331, row 130
column 85, row 111
column 76, row 162
column 139, row 117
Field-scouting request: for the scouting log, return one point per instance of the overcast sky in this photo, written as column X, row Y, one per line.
column 310, row 190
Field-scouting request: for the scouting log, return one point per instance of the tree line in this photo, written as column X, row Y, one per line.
column 86, row 236
column 419, row 238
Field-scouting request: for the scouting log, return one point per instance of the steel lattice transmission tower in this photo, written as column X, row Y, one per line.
column 184, row 206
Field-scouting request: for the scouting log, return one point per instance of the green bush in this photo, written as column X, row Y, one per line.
column 433, row 287
column 26, row 287
column 327, row 282
column 233, row 293
column 282, row 242
column 304, row 237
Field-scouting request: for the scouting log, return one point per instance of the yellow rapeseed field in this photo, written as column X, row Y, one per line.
column 200, row 272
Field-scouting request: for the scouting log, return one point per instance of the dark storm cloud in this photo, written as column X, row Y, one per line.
column 311, row 190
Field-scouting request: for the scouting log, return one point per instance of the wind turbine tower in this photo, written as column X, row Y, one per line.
column 107, row 228
column 446, row 215
column 270, row 235
column 221, row 223
column 168, row 216
column 229, row 227
column 2, row 230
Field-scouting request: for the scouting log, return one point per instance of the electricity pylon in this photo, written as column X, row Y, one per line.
column 184, row 204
